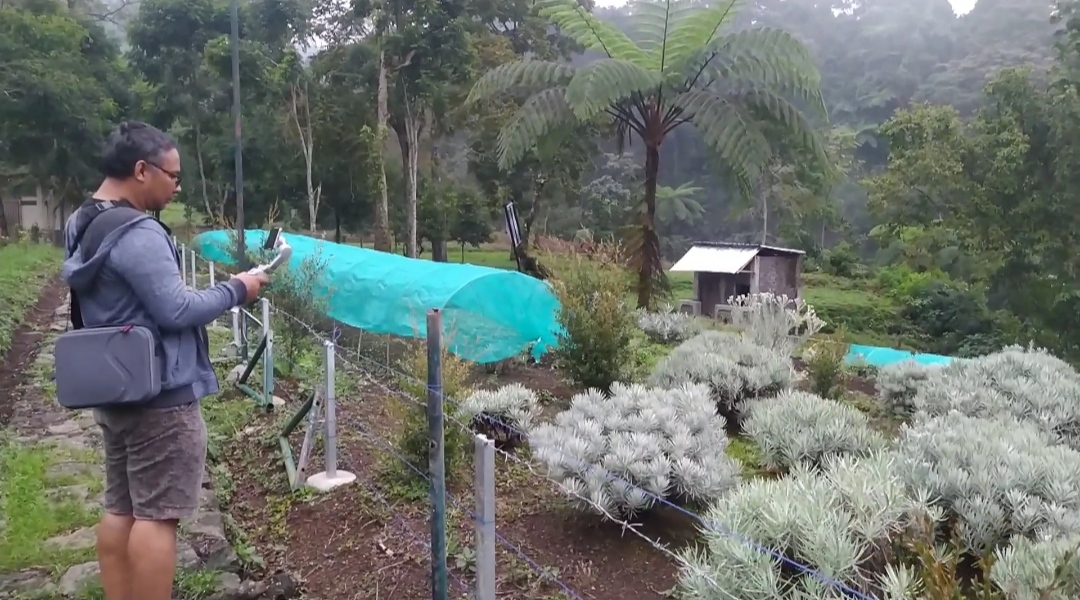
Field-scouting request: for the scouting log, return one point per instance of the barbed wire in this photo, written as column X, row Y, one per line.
column 612, row 478
column 623, row 523
column 417, row 539
column 389, row 449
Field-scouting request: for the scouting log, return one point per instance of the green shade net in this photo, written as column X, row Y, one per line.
column 488, row 314
column 879, row 356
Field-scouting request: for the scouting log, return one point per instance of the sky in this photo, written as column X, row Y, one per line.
column 961, row 7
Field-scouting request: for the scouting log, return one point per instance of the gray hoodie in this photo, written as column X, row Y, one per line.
column 134, row 279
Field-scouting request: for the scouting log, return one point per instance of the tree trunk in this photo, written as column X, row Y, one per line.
column 764, row 218
column 202, row 172
column 4, row 230
column 440, row 251
column 307, row 145
column 648, row 259
column 382, row 207
column 409, row 143
column 534, row 212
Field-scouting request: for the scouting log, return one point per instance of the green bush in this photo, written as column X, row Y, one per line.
column 597, row 322
column 953, row 319
column 825, row 366
column 412, row 438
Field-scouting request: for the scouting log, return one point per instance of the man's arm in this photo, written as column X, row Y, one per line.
column 144, row 258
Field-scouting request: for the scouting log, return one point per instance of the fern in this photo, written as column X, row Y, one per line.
column 686, row 69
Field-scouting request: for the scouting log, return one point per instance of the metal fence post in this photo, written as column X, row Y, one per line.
column 332, row 477
column 436, row 455
column 484, row 466
column 331, row 410
column 194, row 272
column 183, row 263
column 268, row 354
column 213, row 275
column 235, row 313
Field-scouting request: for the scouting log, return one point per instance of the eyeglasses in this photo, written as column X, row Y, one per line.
column 173, row 175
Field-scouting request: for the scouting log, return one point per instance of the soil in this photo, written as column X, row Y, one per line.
column 370, row 539
column 15, row 365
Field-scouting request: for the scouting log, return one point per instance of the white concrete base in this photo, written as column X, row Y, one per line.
column 324, row 483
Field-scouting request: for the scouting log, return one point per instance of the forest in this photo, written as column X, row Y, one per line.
column 931, row 152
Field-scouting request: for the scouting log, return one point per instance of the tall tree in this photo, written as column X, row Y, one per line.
column 684, row 70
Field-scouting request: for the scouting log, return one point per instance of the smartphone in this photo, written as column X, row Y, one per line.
column 272, row 238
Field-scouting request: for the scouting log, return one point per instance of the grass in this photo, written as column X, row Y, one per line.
column 34, row 511
column 24, row 269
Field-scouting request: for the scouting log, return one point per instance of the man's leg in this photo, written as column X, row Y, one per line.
column 115, row 526
column 165, row 468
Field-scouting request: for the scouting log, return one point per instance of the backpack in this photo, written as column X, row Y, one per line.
column 98, row 367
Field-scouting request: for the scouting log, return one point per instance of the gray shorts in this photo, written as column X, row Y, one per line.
column 154, row 460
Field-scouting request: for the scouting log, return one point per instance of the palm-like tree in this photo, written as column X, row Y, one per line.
column 683, row 68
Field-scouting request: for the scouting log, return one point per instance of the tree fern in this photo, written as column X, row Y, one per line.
column 680, row 67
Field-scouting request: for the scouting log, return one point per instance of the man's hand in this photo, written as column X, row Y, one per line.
column 253, row 283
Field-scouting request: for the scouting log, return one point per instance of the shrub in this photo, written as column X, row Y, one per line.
column 797, row 427
column 412, row 435
column 773, row 321
column 501, row 414
column 1027, row 384
column 643, row 356
column 994, row 477
column 641, row 443
column 596, row 321
column 667, row 326
column 300, row 292
column 735, row 370
column 953, row 319
column 842, row 522
column 1039, row 570
column 898, row 383
column 825, row 365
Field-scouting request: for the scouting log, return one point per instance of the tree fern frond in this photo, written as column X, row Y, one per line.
column 772, row 107
column 542, row 113
column 697, row 27
column 651, row 22
column 606, row 82
column 759, row 57
column 520, row 74
column 584, row 28
column 730, row 129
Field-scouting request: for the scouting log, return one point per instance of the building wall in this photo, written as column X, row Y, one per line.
column 712, row 289
column 780, row 275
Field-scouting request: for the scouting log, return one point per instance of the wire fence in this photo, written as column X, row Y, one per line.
column 442, row 412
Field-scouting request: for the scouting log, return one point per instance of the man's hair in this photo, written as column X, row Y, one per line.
column 129, row 143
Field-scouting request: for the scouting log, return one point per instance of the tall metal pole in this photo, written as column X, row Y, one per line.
column 436, row 455
column 238, row 144
column 238, row 156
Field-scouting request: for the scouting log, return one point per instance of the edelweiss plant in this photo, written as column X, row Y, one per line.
column 797, row 427
column 616, row 455
column 775, row 321
column 840, row 522
column 1039, row 570
column 1028, row 384
column 994, row 477
column 898, row 383
column 501, row 414
column 735, row 370
column 667, row 326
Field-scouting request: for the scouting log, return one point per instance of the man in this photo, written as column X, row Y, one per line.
column 155, row 452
